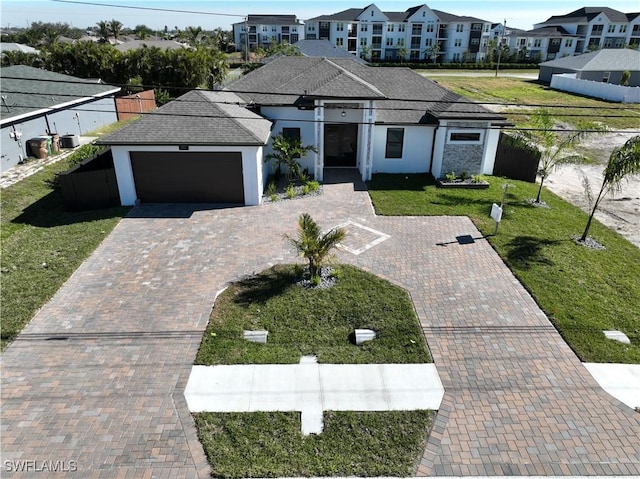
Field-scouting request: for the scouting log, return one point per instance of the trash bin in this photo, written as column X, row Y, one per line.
column 38, row 147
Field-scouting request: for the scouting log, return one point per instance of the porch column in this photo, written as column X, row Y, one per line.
column 318, row 118
column 367, row 163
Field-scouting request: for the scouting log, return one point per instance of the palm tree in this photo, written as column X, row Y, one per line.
column 104, row 30
column 623, row 162
column 553, row 146
column 115, row 27
column 313, row 245
column 194, row 35
column 286, row 151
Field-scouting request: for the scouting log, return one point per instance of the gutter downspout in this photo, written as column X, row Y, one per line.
column 433, row 146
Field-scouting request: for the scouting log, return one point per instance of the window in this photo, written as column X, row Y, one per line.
column 476, row 27
column 623, row 28
column 428, row 42
column 274, row 28
column 555, row 41
column 430, row 27
column 294, row 29
column 597, row 29
column 340, row 27
column 416, row 29
column 611, row 29
column 264, row 28
column 364, row 27
column 456, row 57
column 462, row 137
column 363, row 42
column 293, row 134
column 605, row 77
column 459, row 27
column 401, row 27
column 537, row 43
column 395, row 138
column 475, row 41
column 391, row 27
column 389, row 42
column 311, row 27
column 457, row 42
column 377, row 28
column 339, row 42
column 568, row 42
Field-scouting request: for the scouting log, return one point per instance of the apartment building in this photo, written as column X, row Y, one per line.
column 597, row 27
column 542, row 44
column 418, row 33
column 263, row 30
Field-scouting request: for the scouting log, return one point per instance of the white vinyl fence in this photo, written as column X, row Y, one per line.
column 605, row 91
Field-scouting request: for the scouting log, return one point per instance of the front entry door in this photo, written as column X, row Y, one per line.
column 340, row 144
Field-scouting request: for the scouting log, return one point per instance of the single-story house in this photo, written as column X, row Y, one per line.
column 17, row 47
column 37, row 103
column 373, row 119
column 606, row 65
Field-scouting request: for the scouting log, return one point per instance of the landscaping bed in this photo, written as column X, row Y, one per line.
column 313, row 321
column 583, row 291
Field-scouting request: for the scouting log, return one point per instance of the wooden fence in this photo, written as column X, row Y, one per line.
column 516, row 160
column 134, row 105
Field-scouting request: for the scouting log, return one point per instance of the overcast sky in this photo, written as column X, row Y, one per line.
column 518, row 13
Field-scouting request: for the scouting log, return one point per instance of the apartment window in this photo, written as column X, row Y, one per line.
column 372, row 13
column 623, row 28
column 430, row 27
column 475, row 41
column 568, row 42
column 555, row 41
column 311, row 27
column 415, row 42
column 292, row 134
column 457, row 42
column 363, row 42
column 456, row 57
column 597, row 30
column 395, row 139
column 476, row 27
column 340, row 27
column 414, row 55
column 424, row 14
column 611, row 29
column 264, row 28
column 274, row 28
column 416, row 29
column 391, row 27
column 401, row 27
column 537, row 43
column 459, row 27
column 487, row 28
column 339, row 42
column 389, row 42
column 364, row 27
column 274, row 38
column 465, row 137
column 377, row 28
column 428, row 42
column 294, row 29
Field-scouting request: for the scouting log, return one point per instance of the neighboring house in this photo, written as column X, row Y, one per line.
column 605, row 65
column 598, row 27
column 162, row 44
column 263, row 30
column 210, row 146
column 542, row 44
column 412, row 34
column 38, row 102
column 17, row 47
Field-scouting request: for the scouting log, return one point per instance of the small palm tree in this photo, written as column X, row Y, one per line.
column 286, row 151
column 115, row 27
column 554, row 147
column 623, row 162
column 104, row 30
column 313, row 245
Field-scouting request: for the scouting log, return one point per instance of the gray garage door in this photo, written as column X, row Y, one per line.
column 188, row 177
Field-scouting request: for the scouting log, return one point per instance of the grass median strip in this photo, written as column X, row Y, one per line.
column 43, row 244
column 583, row 291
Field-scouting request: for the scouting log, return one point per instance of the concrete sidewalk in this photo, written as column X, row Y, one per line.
column 312, row 388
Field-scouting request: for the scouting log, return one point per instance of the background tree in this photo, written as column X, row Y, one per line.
column 554, row 146
column 365, row 52
column 286, row 151
column 313, row 245
column 115, row 27
column 104, row 30
column 142, row 31
column 623, row 162
column 403, row 51
column 432, row 51
column 194, row 35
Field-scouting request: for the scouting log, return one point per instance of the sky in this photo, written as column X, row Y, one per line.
column 212, row 14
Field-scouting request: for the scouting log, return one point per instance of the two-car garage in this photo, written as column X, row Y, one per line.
column 188, row 177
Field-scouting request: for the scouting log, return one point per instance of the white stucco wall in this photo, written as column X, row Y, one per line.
column 252, row 172
column 416, row 149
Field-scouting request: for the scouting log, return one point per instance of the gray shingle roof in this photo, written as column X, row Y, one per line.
column 351, row 15
column 196, row 118
column 450, row 18
column 348, row 15
column 607, row 59
column 402, row 95
column 586, row 14
column 30, row 91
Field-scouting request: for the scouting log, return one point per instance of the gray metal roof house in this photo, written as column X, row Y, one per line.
column 209, row 146
column 607, row 65
column 37, row 103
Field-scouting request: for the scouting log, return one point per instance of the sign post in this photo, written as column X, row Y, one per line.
column 496, row 211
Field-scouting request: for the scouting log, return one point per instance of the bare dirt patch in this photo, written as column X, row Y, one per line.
column 620, row 212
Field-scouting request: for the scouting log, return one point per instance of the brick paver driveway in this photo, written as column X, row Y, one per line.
column 95, row 381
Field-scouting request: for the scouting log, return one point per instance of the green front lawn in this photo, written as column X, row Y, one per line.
column 262, row 444
column 42, row 244
column 315, row 321
column 583, row 291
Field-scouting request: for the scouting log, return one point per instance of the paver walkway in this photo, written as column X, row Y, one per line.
column 98, row 375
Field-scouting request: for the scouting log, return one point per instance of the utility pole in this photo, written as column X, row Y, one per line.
column 246, row 37
column 500, row 45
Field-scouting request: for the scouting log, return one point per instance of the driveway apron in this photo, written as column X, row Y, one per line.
column 95, row 382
